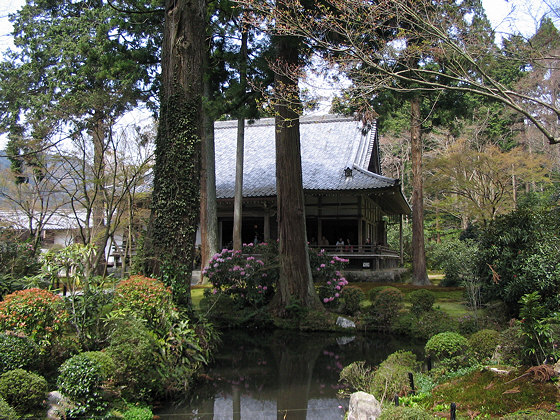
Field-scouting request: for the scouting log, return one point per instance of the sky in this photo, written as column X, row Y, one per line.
column 506, row 16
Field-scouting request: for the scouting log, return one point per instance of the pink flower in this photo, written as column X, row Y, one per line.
column 325, row 300
column 322, row 266
column 336, row 295
column 264, row 288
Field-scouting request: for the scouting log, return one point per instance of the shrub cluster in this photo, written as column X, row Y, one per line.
column 17, row 352
column 448, row 347
column 422, row 301
column 37, row 313
column 24, row 391
column 352, row 297
column 482, row 344
column 327, row 276
column 386, row 306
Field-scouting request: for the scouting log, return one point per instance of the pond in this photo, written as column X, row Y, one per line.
column 281, row 375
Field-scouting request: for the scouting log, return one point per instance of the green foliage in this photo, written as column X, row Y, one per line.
column 386, row 306
column 7, row 412
column 429, row 324
column 249, row 280
column 146, row 298
column 446, row 346
column 538, row 329
column 511, row 346
column 138, row 413
column 404, row 413
column 24, row 391
column 518, row 256
column 81, row 378
column 422, row 301
column 17, row 352
column 135, row 351
column 37, row 313
column 17, row 260
column 482, row 344
column 352, row 297
column 390, row 378
column 327, row 277
column 457, row 258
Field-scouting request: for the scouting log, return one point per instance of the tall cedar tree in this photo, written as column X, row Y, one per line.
column 176, row 194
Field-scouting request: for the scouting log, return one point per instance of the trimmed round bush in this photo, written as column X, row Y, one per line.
column 372, row 294
column 511, row 346
column 433, row 322
column 482, row 344
column 386, row 306
column 352, row 297
column 17, row 352
column 446, row 345
column 422, row 301
column 37, row 313
column 7, row 412
column 24, row 391
column 81, row 379
column 148, row 299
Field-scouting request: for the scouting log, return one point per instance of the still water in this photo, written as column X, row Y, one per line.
column 262, row 375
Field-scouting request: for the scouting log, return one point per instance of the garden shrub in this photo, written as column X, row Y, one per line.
column 468, row 324
column 24, row 391
column 17, row 260
column 327, row 276
column 386, row 306
column 482, row 344
column 422, row 301
column 352, row 297
column 7, row 412
column 134, row 349
column 511, row 346
column 518, row 249
column 390, row 378
column 138, row 413
column 148, row 299
column 391, row 412
column 250, row 280
column 372, row 293
column 448, row 347
column 81, row 378
column 457, row 258
column 37, row 313
column 17, row 352
column 433, row 322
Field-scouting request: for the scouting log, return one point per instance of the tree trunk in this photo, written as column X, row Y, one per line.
column 419, row 273
column 176, row 194
column 97, row 232
column 295, row 282
column 238, row 198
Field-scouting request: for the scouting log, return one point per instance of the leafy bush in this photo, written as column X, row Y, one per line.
column 404, row 413
column 482, row 344
column 433, row 322
column 327, row 276
column 352, row 297
column 457, row 258
column 148, row 299
column 248, row 279
column 17, row 260
column 511, row 346
column 24, row 391
column 386, row 306
column 138, row 413
column 446, row 345
column 468, row 324
column 372, row 293
column 17, row 352
column 518, row 255
column 134, row 349
column 422, row 301
column 81, row 378
column 37, row 313
column 7, row 412
column 390, row 378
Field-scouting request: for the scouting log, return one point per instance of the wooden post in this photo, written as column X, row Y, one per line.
column 401, row 248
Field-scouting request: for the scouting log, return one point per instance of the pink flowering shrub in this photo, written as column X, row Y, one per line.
column 37, row 313
column 249, row 276
column 327, row 276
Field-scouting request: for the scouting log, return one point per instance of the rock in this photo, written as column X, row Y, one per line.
column 58, row 405
column 345, row 323
column 342, row 341
column 363, row 406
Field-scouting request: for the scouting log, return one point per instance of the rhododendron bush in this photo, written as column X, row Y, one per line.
column 249, row 276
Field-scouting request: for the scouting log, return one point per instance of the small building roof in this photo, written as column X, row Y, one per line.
column 329, row 145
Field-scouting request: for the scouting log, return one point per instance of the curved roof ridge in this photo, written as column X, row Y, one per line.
column 392, row 181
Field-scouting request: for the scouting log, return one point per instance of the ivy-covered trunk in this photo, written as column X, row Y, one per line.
column 176, row 194
column 295, row 284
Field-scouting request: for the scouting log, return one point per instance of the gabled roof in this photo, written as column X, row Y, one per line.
column 329, row 145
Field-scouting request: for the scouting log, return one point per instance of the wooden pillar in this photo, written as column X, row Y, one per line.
column 401, row 249
column 220, row 236
column 319, row 221
column 266, row 224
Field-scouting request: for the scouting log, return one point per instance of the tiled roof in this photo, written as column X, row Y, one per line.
column 329, row 145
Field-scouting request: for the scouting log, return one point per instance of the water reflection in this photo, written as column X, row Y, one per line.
column 281, row 375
